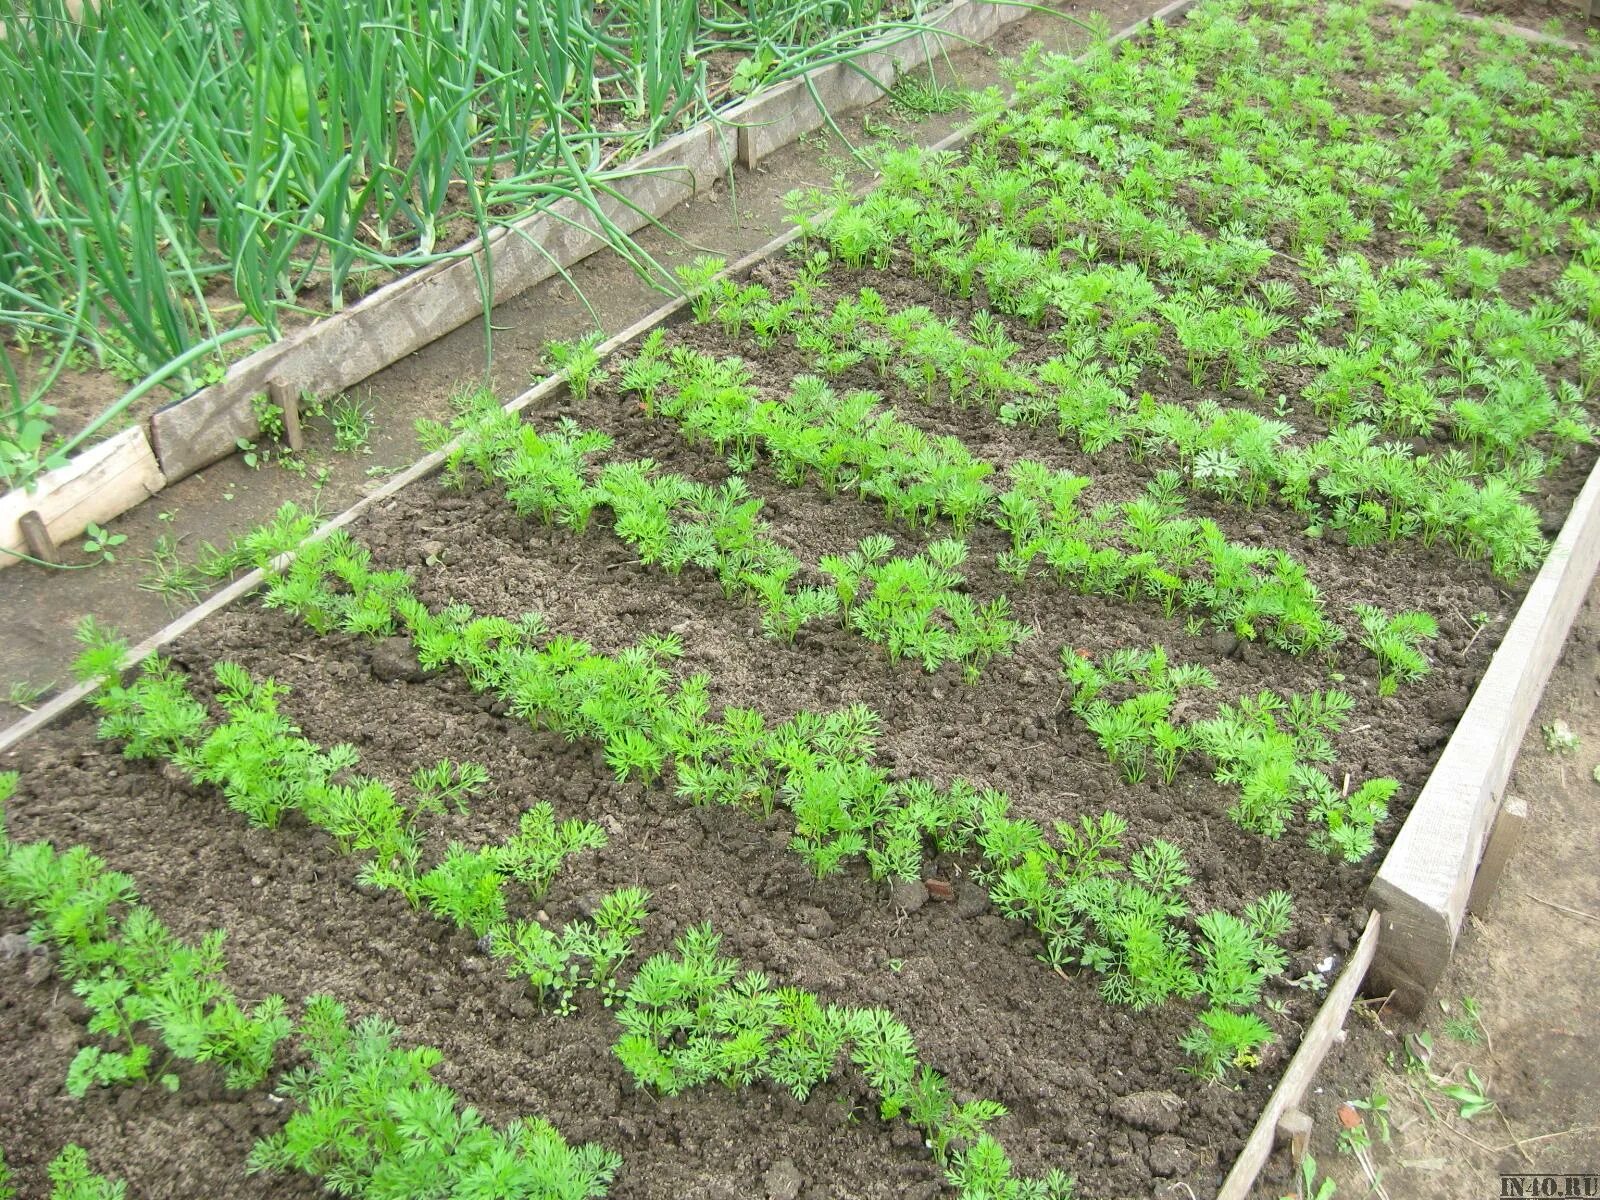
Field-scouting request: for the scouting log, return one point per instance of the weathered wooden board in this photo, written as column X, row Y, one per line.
column 1167, row 13
column 101, row 483
column 777, row 118
column 979, row 22
column 1587, row 7
column 396, row 320
column 773, row 119
column 14, row 734
column 1504, row 839
column 1423, row 885
column 1303, row 1066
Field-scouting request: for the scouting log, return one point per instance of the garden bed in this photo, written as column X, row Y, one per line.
column 1086, row 1082
column 604, row 206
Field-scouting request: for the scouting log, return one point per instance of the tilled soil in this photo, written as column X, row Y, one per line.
column 986, row 1013
column 984, row 1010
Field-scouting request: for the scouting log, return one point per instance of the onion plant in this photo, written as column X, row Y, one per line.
column 169, row 172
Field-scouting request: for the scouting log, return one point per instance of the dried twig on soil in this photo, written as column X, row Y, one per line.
column 1572, row 912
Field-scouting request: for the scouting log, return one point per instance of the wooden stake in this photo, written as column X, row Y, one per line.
column 1503, row 840
column 37, row 537
column 1294, row 1131
column 288, row 400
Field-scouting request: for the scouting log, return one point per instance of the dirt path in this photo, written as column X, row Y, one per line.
column 1530, row 968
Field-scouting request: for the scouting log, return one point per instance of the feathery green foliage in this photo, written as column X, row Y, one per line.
column 370, row 1120
column 137, row 980
column 844, row 806
column 72, row 1179
column 691, row 1017
column 1393, row 642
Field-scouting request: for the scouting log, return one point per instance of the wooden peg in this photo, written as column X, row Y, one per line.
column 1294, row 1131
column 38, row 539
column 1503, row 841
column 288, row 401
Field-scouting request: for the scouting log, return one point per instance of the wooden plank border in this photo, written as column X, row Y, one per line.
column 1508, row 29
column 404, row 316
column 341, row 350
column 57, row 706
column 101, row 483
column 1423, row 885
column 1302, row 1068
column 802, row 105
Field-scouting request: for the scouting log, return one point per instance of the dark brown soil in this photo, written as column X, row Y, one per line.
column 985, row 1012
column 1535, row 14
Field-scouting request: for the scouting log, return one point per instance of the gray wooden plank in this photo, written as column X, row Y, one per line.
column 776, row 119
column 1303, row 1066
column 13, row 735
column 1423, row 884
column 347, row 347
column 1512, row 30
column 101, row 483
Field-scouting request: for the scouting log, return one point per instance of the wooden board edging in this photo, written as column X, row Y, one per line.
column 340, row 350
column 1423, row 883
column 1302, row 1068
column 59, row 705
column 791, row 110
column 1508, row 29
column 103, row 482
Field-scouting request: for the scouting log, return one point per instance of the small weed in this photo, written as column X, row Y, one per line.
column 101, row 543
column 1472, row 1096
column 1419, row 1052
column 1468, row 1026
column 253, row 458
column 269, row 416
column 352, row 425
column 924, row 97
column 1356, row 1138
column 1559, row 737
column 25, row 695
column 1376, row 1108
column 170, row 577
column 1308, row 1186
